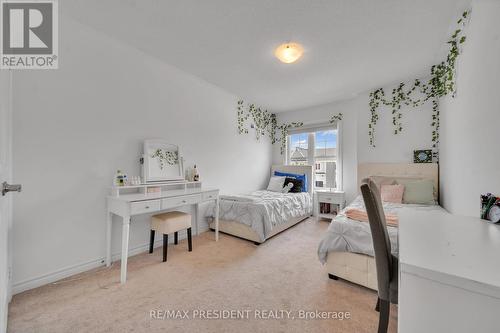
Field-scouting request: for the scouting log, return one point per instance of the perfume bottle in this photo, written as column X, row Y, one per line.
column 120, row 178
column 196, row 176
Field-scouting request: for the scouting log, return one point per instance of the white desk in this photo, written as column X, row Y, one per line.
column 128, row 205
column 449, row 273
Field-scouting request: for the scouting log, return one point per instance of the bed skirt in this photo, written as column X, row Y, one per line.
column 243, row 231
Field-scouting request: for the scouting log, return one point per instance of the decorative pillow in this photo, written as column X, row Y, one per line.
column 419, row 192
column 296, row 176
column 296, row 184
column 276, row 184
column 392, row 193
column 287, row 187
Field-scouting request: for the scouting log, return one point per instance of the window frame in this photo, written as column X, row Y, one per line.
column 310, row 130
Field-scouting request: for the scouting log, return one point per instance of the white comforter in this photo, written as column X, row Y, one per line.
column 346, row 235
column 263, row 210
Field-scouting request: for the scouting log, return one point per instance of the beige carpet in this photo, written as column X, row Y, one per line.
column 281, row 274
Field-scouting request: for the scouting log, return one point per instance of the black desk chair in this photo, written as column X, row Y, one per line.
column 386, row 263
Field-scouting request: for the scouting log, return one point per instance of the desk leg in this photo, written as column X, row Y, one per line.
column 197, row 219
column 217, row 219
column 109, row 225
column 125, row 237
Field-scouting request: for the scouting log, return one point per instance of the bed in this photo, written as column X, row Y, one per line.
column 347, row 248
column 260, row 215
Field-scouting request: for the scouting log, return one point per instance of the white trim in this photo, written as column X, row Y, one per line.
column 311, row 150
column 287, row 153
column 313, row 128
column 82, row 267
column 340, row 158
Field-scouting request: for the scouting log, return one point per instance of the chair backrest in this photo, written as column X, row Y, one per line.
column 381, row 241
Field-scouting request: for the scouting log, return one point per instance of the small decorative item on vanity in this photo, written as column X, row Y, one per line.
column 490, row 208
column 196, row 175
column 120, row 178
column 422, row 156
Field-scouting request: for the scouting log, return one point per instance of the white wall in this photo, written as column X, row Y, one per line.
column 73, row 127
column 389, row 148
column 470, row 130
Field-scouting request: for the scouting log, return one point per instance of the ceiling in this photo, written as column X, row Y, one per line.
column 351, row 46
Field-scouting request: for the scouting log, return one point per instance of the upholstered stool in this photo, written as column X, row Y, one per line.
column 167, row 223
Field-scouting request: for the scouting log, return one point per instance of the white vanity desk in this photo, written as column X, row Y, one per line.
column 139, row 202
column 449, row 273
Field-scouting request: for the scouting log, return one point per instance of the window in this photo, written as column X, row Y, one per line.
column 299, row 149
column 325, row 154
column 319, row 148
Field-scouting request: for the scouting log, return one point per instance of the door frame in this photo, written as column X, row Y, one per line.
column 6, row 201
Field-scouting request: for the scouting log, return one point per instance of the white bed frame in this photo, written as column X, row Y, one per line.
column 360, row 268
column 240, row 230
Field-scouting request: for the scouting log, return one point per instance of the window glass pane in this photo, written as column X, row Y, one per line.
column 298, row 149
column 325, row 158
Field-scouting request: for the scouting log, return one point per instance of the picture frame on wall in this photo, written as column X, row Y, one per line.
column 422, row 156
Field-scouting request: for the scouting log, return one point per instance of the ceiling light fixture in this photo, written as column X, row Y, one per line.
column 289, row 52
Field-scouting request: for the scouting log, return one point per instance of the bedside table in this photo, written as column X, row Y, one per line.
column 328, row 203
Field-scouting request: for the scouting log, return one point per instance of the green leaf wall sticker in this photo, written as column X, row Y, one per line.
column 415, row 93
column 264, row 122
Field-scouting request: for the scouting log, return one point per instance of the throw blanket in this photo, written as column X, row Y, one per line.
column 361, row 215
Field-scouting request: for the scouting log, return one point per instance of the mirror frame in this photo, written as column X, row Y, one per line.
column 147, row 160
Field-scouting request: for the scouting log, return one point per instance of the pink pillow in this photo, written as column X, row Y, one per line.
column 392, row 193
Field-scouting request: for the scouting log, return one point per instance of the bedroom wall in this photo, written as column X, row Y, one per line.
column 470, row 158
column 75, row 126
column 389, row 148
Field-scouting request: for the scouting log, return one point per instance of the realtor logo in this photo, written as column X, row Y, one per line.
column 29, row 34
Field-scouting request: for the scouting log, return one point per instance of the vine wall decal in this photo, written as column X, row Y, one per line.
column 442, row 82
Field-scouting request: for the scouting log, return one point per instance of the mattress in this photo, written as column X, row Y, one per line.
column 263, row 211
column 347, row 235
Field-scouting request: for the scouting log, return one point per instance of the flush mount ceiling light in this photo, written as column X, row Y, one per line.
column 289, row 52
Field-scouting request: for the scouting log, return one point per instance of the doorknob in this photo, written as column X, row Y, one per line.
column 10, row 188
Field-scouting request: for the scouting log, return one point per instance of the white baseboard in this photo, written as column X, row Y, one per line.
column 19, row 287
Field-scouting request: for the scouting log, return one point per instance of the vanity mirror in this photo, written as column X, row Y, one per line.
column 162, row 161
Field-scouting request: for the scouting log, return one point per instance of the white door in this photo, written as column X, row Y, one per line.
column 5, row 200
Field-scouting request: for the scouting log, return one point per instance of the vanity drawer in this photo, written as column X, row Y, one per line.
column 144, row 207
column 180, row 201
column 210, row 195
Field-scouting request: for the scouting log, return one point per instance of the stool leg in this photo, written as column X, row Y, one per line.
column 175, row 238
column 190, row 242
column 165, row 245
column 151, row 241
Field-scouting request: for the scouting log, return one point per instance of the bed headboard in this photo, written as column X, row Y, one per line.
column 417, row 170
column 298, row 169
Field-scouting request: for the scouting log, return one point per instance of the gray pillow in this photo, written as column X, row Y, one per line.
column 418, row 192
